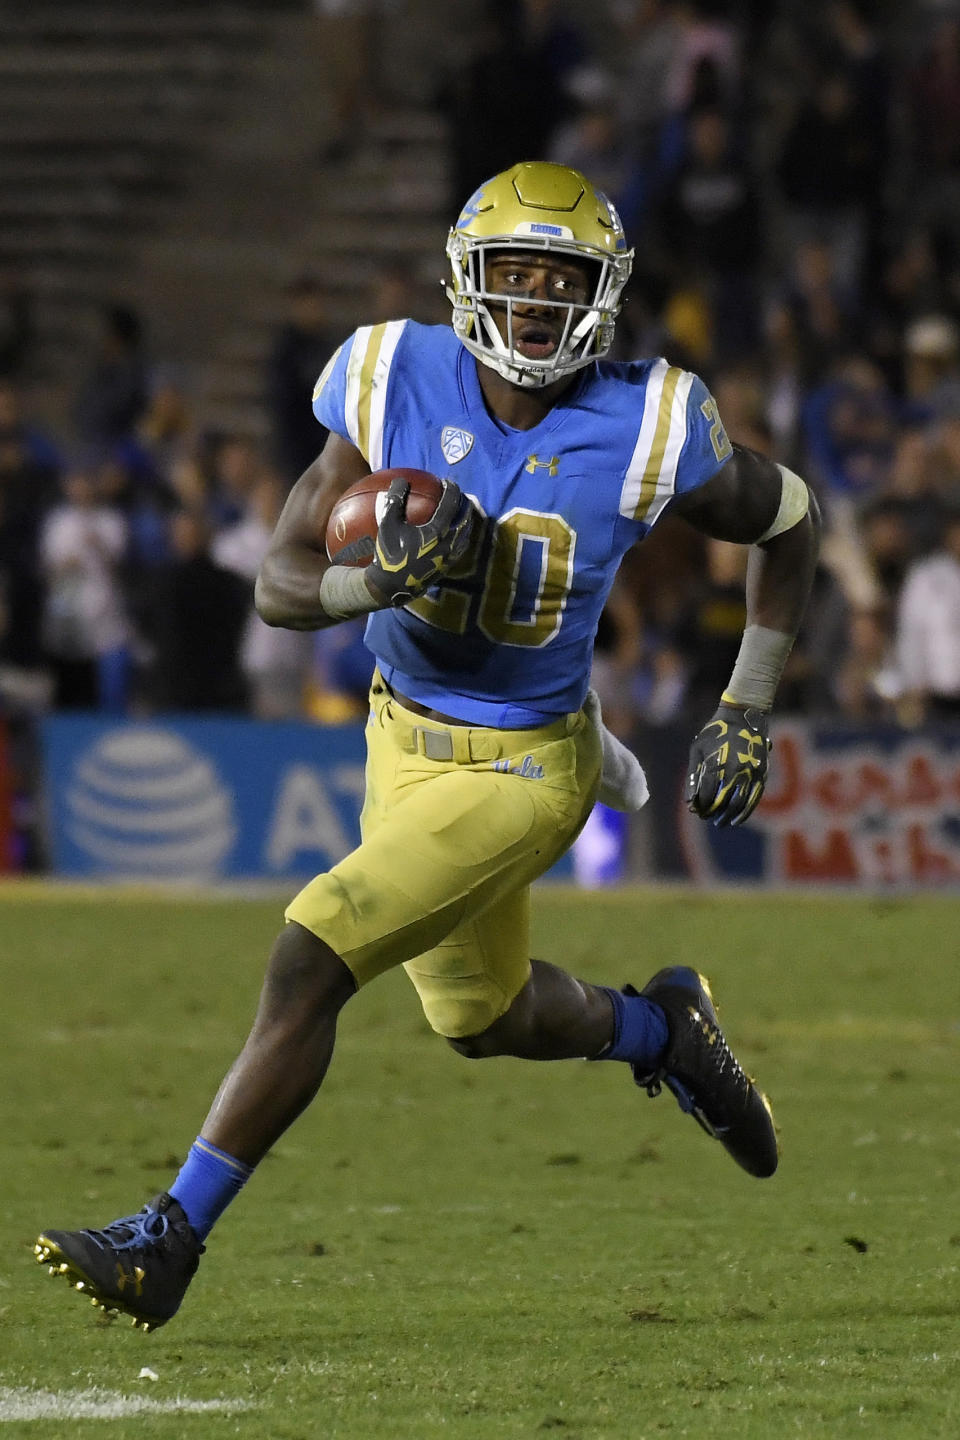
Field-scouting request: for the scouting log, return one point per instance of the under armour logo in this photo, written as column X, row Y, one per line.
column 128, row 1277
column 534, row 463
column 755, row 748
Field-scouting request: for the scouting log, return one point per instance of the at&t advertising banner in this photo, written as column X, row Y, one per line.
column 198, row 799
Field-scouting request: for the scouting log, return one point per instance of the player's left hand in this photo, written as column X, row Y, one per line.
column 728, row 766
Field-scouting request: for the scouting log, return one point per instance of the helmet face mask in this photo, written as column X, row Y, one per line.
column 531, row 208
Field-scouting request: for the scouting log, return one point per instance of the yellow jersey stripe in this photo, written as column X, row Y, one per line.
column 651, row 476
column 676, row 439
column 368, row 369
column 378, row 396
column 630, row 496
column 651, row 472
column 351, row 400
column 375, row 340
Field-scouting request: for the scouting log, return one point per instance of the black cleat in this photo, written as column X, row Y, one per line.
column 701, row 1071
column 140, row 1265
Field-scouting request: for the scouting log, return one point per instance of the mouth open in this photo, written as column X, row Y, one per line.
column 535, row 341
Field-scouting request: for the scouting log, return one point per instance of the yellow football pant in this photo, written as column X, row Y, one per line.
column 457, row 821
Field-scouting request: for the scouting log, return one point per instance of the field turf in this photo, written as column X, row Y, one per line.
column 442, row 1248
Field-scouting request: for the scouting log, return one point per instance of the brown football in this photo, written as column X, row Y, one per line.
column 352, row 526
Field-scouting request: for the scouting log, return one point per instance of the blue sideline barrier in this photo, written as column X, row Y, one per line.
column 201, row 799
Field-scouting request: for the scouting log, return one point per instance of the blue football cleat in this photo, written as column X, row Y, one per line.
column 140, row 1265
column 703, row 1074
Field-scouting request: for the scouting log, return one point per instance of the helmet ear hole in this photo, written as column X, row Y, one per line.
column 594, row 274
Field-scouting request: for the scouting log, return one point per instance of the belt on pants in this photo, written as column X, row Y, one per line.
column 467, row 744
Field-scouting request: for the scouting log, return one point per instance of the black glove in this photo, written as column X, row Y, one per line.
column 728, row 766
column 410, row 558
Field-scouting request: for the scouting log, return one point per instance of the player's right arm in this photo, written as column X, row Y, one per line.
column 298, row 587
column 289, row 583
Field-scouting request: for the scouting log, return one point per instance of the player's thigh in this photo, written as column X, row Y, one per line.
column 449, row 848
column 445, row 851
column 443, row 841
column 473, row 975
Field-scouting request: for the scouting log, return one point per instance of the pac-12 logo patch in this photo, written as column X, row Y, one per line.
column 455, row 443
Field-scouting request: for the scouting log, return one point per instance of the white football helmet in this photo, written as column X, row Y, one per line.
column 537, row 206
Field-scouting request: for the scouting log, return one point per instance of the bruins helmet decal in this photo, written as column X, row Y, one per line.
column 537, row 206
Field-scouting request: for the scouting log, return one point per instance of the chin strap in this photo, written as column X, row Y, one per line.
column 496, row 353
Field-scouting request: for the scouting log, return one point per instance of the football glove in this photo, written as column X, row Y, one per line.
column 410, row 558
column 728, row 766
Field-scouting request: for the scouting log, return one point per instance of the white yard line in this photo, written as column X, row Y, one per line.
column 23, row 1403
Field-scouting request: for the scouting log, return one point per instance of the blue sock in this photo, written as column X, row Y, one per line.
column 640, row 1031
column 208, row 1181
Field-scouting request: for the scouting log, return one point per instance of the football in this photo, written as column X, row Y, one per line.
column 352, row 526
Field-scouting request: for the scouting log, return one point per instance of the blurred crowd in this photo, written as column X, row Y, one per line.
column 129, row 550
column 790, row 177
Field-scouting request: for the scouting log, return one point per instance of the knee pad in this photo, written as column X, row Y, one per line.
column 458, row 1012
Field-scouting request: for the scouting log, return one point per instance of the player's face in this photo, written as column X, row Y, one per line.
column 532, row 281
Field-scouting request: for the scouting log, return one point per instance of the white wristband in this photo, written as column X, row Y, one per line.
column 759, row 665
column 344, row 594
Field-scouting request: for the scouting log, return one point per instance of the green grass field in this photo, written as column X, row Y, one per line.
column 442, row 1248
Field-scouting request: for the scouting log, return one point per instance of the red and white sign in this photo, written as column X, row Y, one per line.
column 876, row 808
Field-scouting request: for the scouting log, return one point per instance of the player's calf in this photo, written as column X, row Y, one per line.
column 553, row 1017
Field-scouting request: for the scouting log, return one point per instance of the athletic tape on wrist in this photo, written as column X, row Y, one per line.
column 794, row 504
column 759, row 665
column 344, row 593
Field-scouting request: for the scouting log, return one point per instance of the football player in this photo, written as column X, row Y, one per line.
column 485, row 751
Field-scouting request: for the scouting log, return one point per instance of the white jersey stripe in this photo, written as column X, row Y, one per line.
column 351, row 404
column 667, row 479
column 651, row 476
column 378, row 390
column 630, row 496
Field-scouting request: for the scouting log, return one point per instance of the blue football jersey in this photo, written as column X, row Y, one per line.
column 507, row 638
